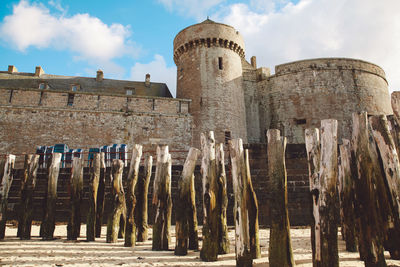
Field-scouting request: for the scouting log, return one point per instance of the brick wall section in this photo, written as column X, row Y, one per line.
column 92, row 121
column 296, row 164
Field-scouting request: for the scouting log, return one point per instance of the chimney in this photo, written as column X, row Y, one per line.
column 99, row 76
column 38, row 71
column 253, row 61
column 147, row 80
column 12, row 69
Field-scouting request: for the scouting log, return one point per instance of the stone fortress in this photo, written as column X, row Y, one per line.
column 217, row 89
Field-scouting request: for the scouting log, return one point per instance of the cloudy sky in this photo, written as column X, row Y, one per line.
column 127, row 39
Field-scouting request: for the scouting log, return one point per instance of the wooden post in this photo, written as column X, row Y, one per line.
column 6, row 172
column 130, row 228
column 280, row 248
column 28, row 185
column 141, row 192
column 94, row 169
column 245, row 211
column 313, row 147
column 162, row 200
column 100, row 195
column 48, row 224
column 118, row 201
column 394, row 126
column 193, row 231
column 388, row 158
column 347, row 198
column 74, row 225
column 183, row 205
column 370, row 236
column 209, row 250
column 222, row 204
column 328, row 204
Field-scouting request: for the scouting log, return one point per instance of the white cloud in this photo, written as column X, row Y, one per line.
column 158, row 70
column 191, row 8
column 86, row 36
column 284, row 32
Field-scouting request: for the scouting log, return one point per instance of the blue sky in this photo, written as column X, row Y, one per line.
column 127, row 39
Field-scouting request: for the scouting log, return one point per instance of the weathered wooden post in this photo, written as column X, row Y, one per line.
column 347, row 197
column 280, row 248
column 245, row 211
column 209, row 250
column 28, row 185
column 48, row 224
column 118, row 201
column 141, row 192
column 328, row 204
column 74, row 224
column 389, row 159
column 394, row 126
column 94, row 170
column 100, row 195
column 6, row 172
column 183, row 207
column 369, row 235
column 313, row 147
column 222, row 204
column 130, row 228
column 162, row 200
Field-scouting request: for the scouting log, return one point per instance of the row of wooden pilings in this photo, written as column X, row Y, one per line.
column 363, row 182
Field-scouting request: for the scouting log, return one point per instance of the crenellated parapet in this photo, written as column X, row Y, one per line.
column 208, row 34
column 209, row 42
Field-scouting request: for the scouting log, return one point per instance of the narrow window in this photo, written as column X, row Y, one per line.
column 70, row 99
column 11, row 95
column 220, row 65
column 180, row 107
column 300, row 121
column 227, row 136
column 154, row 104
column 40, row 99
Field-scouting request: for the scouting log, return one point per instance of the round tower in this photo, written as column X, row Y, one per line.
column 208, row 57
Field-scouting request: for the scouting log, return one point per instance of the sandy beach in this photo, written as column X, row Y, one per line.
column 60, row 252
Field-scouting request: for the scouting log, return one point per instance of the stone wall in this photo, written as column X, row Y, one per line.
column 298, row 189
column 34, row 118
column 301, row 94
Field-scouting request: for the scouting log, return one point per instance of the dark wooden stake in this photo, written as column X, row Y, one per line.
column 349, row 228
column 370, row 236
column 328, row 204
column 245, row 211
column 74, row 224
column 94, row 169
column 222, row 204
column 209, row 250
column 118, row 201
column 313, row 147
column 101, row 195
column 162, row 200
column 130, row 228
column 183, row 207
column 48, row 224
column 141, row 192
column 388, row 158
column 280, row 248
column 6, row 172
column 28, row 185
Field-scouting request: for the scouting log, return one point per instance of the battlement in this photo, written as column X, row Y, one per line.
column 84, row 101
column 321, row 64
column 208, row 34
